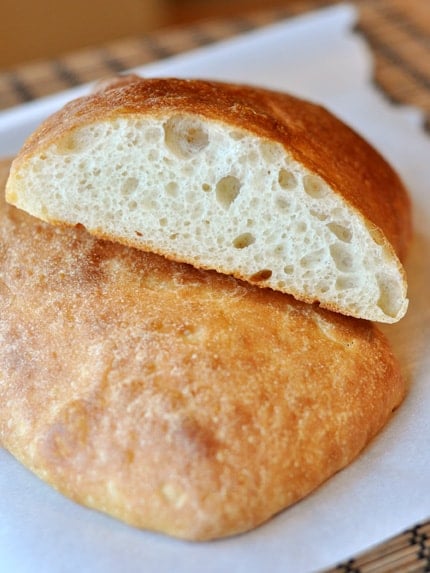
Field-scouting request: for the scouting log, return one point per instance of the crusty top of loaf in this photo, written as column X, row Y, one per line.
column 310, row 133
column 178, row 400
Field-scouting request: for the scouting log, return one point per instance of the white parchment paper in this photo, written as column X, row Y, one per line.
column 387, row 489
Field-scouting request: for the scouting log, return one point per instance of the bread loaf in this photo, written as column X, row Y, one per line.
column 253, row 183
column 178, row 400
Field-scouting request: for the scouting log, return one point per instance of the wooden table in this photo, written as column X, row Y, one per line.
column 398, row 32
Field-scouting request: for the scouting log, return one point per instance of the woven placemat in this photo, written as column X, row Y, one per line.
column 408, row 552
column 398, row 32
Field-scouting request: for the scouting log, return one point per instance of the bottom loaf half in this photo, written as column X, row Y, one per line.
column 177, row 400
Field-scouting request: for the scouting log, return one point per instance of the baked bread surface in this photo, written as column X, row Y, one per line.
column 178, row 400
column 254, row 183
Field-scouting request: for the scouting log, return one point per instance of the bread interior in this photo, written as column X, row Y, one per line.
column 204, row 192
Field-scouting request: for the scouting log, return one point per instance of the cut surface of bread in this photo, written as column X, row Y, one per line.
column 178, row 400
column 253, row 183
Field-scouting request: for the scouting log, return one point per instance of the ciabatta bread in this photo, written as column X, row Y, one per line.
column 253, row 183
column 178, row 400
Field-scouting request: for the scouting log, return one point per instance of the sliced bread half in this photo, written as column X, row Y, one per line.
column 254, row 183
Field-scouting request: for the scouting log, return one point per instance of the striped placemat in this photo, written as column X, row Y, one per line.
column 398, row 32
column 408, row 552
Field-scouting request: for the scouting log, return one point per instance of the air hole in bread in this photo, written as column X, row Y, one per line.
column 342, row 257
column 389, row 296
column 341, row 232
column 282, row 204
column 237, row 135
column 320, row 215
column 185, row 136
column 172, row 189
column 132, row 205
column 138, row 234
column 289, row 269
column 146, row 202
column 163, row 221
column 376, row 235
column 286, row 179
column 300, row 227
column 314, row 187
column 227, row 189
column 243, row 241
column 262, row 275
column 312, row 260
column 129, row 185
column 69, row 144
column 346, row 282
column 206, row 187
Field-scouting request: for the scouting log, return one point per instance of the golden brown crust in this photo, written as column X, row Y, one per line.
column 175, row 399
column 313, row 136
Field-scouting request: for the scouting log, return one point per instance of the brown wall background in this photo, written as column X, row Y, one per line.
column 35, row 29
